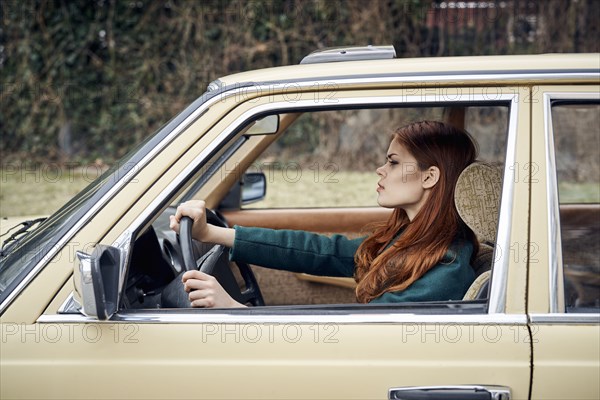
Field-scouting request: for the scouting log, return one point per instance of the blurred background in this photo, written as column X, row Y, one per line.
column 83, row 81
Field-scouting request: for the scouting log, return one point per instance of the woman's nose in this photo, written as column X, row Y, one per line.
column 379, row 171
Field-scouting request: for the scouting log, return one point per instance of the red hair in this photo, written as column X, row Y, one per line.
column 381, row 267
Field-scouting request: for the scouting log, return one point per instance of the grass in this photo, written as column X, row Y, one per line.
column 310, row 190
column 579, row 192
column 42, row 191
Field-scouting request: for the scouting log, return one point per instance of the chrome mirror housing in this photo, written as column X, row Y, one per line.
column 96, row 287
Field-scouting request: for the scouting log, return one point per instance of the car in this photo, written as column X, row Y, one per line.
column 89, row 298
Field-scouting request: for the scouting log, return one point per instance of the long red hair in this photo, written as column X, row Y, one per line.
column 385, row 267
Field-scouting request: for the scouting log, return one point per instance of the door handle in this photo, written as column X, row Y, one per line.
column 459, row 392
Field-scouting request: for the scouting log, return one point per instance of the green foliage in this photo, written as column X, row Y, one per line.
column 82, row 80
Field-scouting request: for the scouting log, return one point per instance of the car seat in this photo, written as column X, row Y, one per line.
column 477, row 199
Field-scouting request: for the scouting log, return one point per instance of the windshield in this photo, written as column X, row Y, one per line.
column 35, row 245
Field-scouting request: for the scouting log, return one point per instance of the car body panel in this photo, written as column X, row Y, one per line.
column 271, row 361
column 565, row 351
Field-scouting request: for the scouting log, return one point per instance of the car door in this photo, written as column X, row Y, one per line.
column 320, row 352
column 565, row 273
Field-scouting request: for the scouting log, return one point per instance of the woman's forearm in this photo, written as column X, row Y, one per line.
column 218, row 235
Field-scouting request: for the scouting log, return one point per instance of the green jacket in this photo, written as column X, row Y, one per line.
column 299, row 251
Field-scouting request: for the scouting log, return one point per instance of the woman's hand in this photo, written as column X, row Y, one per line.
column 201, row 231
column 196, row 210
column 205, row 291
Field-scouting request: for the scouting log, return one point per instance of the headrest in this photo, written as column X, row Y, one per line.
column 477, row 199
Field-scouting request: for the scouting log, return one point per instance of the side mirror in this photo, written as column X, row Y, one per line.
column 254, row 187
column 99, row 281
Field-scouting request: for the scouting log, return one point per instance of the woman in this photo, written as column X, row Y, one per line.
column 422, row 253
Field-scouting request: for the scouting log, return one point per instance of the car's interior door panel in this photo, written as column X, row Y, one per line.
column 350, row 221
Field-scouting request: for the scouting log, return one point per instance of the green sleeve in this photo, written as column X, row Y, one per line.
column 295, row 251
column 448, row 280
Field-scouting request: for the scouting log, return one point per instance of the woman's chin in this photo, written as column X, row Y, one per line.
column 384, row 204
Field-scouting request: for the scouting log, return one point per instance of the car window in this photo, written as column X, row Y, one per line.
column 577, row 155
column 328, row 158
column 336, row 150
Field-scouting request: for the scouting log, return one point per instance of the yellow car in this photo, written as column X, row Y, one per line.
column 87, row 305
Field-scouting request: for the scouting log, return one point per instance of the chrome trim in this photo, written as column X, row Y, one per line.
column 199, row 317
column 123, row 243
column 68, row 318
column 70, row 304
column 245, row 91
column 565, row 318
column 554, row 237
column 499, row 279
column 455, row 77
column 496, row 392
column 555, row 262
column 88, row 293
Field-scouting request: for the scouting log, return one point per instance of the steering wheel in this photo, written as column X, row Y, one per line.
column 214, row 262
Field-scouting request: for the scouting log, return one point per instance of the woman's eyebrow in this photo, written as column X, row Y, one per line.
column 391, row 154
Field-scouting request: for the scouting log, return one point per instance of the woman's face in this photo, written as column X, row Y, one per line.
column 401, row 181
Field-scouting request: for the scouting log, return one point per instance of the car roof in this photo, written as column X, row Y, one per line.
column 484, row 66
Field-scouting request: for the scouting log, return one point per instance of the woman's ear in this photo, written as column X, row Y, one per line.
column 430, row 177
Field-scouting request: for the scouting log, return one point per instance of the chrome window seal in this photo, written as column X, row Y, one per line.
column 199, row 317
column 554, row 239
column 123, row 243
column 565, row 318
column 499, row 279
column 243, row 93
column 555, row 264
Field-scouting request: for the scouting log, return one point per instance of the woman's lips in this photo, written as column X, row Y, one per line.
column 379, row 187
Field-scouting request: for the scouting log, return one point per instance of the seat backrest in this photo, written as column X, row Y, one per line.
column 477, row 199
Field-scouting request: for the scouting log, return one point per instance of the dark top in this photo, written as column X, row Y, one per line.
column 299, row 251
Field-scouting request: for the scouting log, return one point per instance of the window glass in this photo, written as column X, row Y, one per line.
column 577, row 153
column 328, row 158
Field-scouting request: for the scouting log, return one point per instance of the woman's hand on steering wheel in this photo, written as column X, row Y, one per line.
column 214, row 285
column 201, row 230
column 196, row 210
column 205, row 291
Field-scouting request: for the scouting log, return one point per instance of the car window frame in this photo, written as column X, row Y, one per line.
column 509, row 97
column 556, row 290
